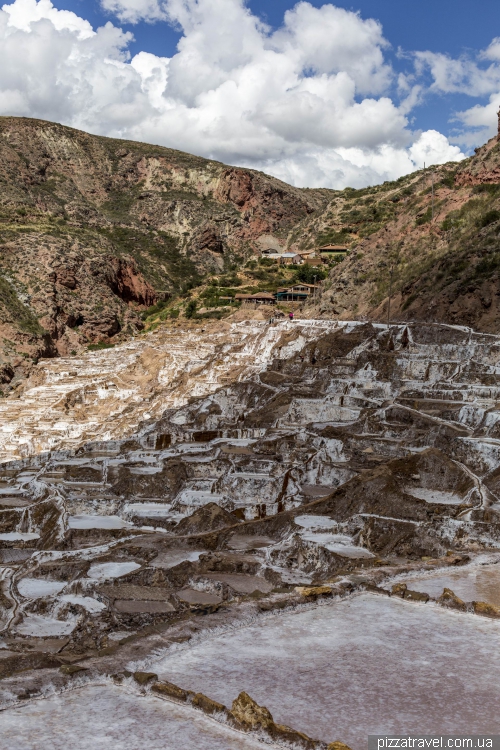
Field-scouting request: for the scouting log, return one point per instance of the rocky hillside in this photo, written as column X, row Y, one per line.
column 94, row 230
column 436, row 229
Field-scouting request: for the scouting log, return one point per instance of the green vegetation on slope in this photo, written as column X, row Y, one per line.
column 13, row 310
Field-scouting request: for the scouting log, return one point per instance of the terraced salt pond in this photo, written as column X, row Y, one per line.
column 105, row 716
column 97, row 522
column 476, row 582
column 315, row 529
column 400, row 483
column 366, row 665
column 101, row 571
column 35, row 588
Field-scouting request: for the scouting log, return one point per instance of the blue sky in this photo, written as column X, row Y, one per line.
column 329, row 94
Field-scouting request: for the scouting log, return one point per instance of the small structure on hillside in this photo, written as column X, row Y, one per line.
column 260, row 298
column 296, row 293
column 311, row 253
column 314, row 261
column 284, row 259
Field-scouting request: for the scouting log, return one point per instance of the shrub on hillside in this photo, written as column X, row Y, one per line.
column 488, row 218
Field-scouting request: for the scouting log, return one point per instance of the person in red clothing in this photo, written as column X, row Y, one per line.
column 290, row 315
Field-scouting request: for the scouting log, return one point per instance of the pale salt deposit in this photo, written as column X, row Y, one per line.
column 435, row 496
column 315, row 522
column 148, row 510
column 171, row 559
column 476, row 582
column 104, row 716
column 101, row 571
column 197, row 498
column 97, row 522
column 18, row 536
column 338, row 671
column 180, row 365
column 87, row 602
column 34, row 588
column 45, row 626
column 119, row 635
column 341, row 544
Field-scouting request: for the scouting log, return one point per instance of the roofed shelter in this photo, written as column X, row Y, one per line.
column 314, row 261
column 285, row 259
column 333, row 249
column 260, row 298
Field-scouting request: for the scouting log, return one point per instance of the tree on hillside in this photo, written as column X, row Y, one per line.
column 307, row 274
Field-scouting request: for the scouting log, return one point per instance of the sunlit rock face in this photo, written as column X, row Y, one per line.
column 259, row 466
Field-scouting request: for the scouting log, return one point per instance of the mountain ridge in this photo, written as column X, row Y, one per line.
column 96, row 230
column 93, row 230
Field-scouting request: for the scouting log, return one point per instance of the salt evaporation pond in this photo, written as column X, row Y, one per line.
column 35, row 588
column 108, row 717
column 38, row 625
column 87, row 602
column 315, row 522
column 365, row 665
column 18, row 536
column 101, row 571
column 97, row 522
column 172, row 558
column 435, row 496
column 149, row 510
column 313, row 530
column 471, row 583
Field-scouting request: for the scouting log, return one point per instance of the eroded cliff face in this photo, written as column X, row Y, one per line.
column 94, row 230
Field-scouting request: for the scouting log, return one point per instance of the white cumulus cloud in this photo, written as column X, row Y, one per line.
column 433, row 148
column 25, row 12
column 132, row 11
column 310, row 102
column 475, row 75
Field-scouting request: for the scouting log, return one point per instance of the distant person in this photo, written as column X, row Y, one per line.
column 290, row 315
